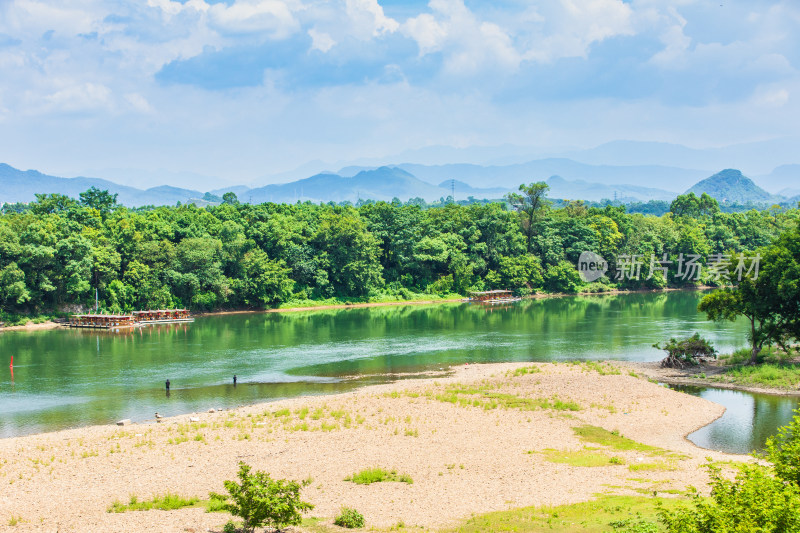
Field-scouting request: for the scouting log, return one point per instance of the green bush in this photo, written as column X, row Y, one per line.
column 681, row 353
column 783, row 450
column 261, row 500
column 349, row 518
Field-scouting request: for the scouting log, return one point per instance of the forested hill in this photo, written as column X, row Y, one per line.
column 731, row 186
column 54, row 253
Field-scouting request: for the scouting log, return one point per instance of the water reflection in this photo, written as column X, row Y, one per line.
column 748, row 420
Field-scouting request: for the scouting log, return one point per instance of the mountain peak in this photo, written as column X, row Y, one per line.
column 730, row 185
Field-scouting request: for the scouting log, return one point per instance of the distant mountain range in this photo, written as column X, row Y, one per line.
column 567, row 180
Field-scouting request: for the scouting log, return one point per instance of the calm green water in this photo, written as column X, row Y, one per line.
column 67, row 378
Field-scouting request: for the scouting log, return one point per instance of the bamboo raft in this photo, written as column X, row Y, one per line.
column 133, row 320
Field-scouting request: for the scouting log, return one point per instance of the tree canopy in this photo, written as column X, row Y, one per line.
column 56, row 251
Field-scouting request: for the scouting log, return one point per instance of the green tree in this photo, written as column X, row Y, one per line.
column 103, row 201
column 350, row 251
column 562, row 277
column 529, row 205
column 230, row 198
column 770, row 302
column 262, row 501
column 264, row 281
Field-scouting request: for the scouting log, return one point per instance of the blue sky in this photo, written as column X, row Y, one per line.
column 243, row 89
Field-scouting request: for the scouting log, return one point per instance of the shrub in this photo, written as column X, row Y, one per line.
column 783, row 450
column 349, row 518
column 260, row 500
column 686, row 352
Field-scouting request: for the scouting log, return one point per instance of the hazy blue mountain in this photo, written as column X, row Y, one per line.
column 582, row 190
column 540, row 169
column 383, row 183
column 782, row 180
column 239, row 190
column 464, row 191
column 145, row 179
column 756, row 157
column 730, row 185
column 21, row 186
column 162, row 195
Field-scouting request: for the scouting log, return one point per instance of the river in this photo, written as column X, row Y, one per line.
column 67, row 378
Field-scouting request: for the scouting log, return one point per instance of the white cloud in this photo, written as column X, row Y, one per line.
column 139, row 103
column 320, row 40
column 570, row 27
column 255, row 16
column 368, row 20
column 770, row 96
column 470, row 44
column 85, row 97
column 427, row 32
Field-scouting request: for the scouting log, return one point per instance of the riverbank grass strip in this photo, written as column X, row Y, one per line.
column 378, row 475
column 167, row 502
column 783, row 376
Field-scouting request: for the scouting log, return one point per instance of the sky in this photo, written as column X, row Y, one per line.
column 244, row 89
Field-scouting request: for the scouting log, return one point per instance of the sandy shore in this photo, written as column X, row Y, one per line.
column 464, row 457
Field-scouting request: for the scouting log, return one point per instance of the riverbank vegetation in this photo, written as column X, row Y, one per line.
column 58, row 253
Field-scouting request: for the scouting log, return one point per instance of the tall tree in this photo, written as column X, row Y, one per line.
column 530, row 204
column 770, row 301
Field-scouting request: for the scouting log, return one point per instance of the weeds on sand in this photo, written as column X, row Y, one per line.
column 378, row 475
column 523, row 371
column 485, row 398
column 167, row 502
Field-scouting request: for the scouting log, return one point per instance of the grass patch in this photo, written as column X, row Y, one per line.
column 604, row 369
column 607, row 513
column 612, row 439
column 523, row 371
column 216, row 504
column 378, row 475
column 585, row 457
column 167, row 502
column 487, row 399
column 659, row 466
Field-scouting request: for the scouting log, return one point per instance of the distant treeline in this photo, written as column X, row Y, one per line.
column 56, row 251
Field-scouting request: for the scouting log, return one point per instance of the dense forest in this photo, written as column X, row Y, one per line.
column 55, row 252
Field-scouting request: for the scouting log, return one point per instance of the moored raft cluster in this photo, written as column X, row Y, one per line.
column 135, row 319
